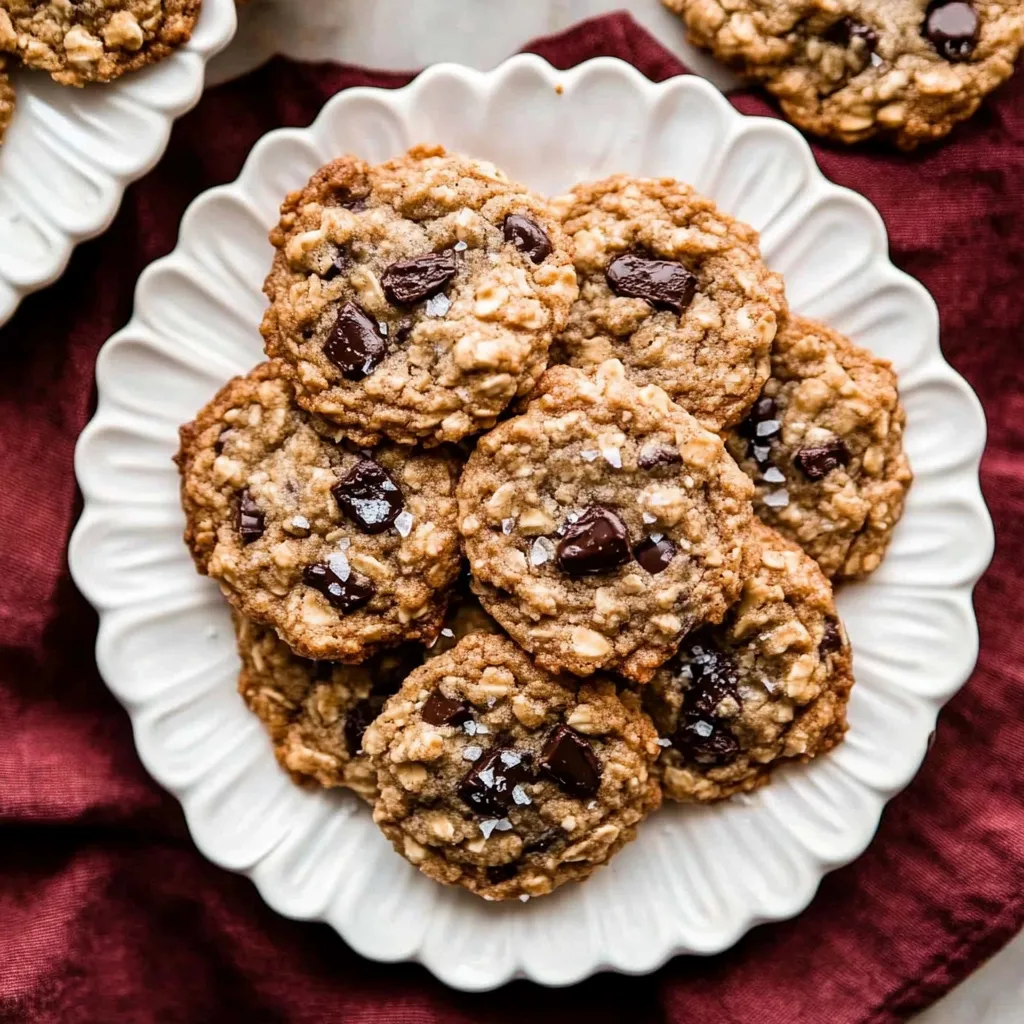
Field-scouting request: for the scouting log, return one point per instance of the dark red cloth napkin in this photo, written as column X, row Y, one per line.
column 107, row 911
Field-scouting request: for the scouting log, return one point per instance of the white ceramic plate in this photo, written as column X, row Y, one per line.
column 696, row 879
column 70, row 153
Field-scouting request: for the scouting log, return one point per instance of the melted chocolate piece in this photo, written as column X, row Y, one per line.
column 409, row 281
column 951, row 26
column 831, row 638
column 664, row 284
column 346, row 595
column 655, row 455
column 441, row 710
column 359, row 719
column 487, row 787
column 250, row 520
column 342, row 264
column 570, row 760
column 498, row 873
column 818, row 460
column 527, row 236
column 543, row 842
column 355, row 346
column 597, row 542
column 655, row 555
column 706, row 741
column 369, row 496
column 846, row 31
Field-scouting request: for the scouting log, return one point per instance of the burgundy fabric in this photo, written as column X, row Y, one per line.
column 107, row 911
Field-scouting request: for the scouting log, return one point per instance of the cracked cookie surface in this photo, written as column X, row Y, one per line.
column 674, row 289
column 417, row 298
column 769, row 684
column 496, row 776
column 342, row 551
column 80, row 41
column 850, row 69
column 603, row 524
column 317, row 711
column 824, row 447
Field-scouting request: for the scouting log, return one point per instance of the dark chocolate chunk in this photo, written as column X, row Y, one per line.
column 323, row 671
column 441, row 710
column 527, row 236
column 705, row 740
column 250, row 521
column 831, row 638
column 763, row 409
column 818, row 460
column 355, row 346
column 222, row 437
column 498, row 873
column 410, row 281
column 570, row 760
column 597, row 542
column 543, row 842
column 358, row 720
column 369, row 496
column 344, row 594
column 664, row 284
column 847, row 31
column 658, row 455
column 951, row 26
column 655, row 555
column 488, row 786
column 341, row 264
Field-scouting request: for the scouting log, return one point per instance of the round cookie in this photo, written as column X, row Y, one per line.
column 850, row 69
column 603, row 524
column 769, row 684
column 343, row 552
column 415, row 299
column 317, row 711
column 94, row 40
column 6, row 98
column 498, row 777
column 674, row 289
column 824, row 446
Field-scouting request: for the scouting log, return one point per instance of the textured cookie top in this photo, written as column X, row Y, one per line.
column 417, row 298
column 824, row 445
column 768, row 684
column 81, row 41
column 6, row 98
column 603, row 524
column 674, row 289
column 495, row 776
column 341, row 551
column 850, row 69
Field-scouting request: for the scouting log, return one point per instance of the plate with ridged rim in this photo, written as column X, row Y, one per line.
column 696, row 879
column 70, row 153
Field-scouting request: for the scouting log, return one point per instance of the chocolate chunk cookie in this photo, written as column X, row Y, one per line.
column 769, row 684
column 824, row 446
column 342, row 551
column 6, row 98
column 415, row 299
column 849, row 69
column 603, row 524
column 675, row 290
column 317, row 711
column 94, row 40
column 498, row 777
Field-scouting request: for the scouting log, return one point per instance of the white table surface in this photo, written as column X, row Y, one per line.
column 406, row 34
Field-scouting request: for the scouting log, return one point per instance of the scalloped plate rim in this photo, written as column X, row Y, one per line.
column 933, row 366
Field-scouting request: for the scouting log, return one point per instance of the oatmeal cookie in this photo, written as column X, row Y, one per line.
column 824, row 446
column 80, row 41
column 6, row 98
column 603, row 524
column 769, row 684
column 499, row 777
column 317, row 711
column 674, row 289
column 849, row 69
column 415, row 299
column 343, row 552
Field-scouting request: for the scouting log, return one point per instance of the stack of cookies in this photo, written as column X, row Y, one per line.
column 531, row 519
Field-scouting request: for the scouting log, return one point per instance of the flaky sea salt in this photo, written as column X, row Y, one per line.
column 777, row 499
column 469, row 728
column 507, row 526
column 648, row 518
column 509, row 758
column 542, row 550
column 338, row 564
column 662, row 742
column 524, row 898
column 703, row 729
column 481, row 729
column 504, row 825
column 488, row 826
column 460, row 246
column 767, row 428
column 520, row 796
column 487, row 777
column 472, row 753
column 300, row 522
column 447, row 632
column 612, row 456
column 589, row 454
column 438, row 305
column 773, row 475
column 403, row 523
